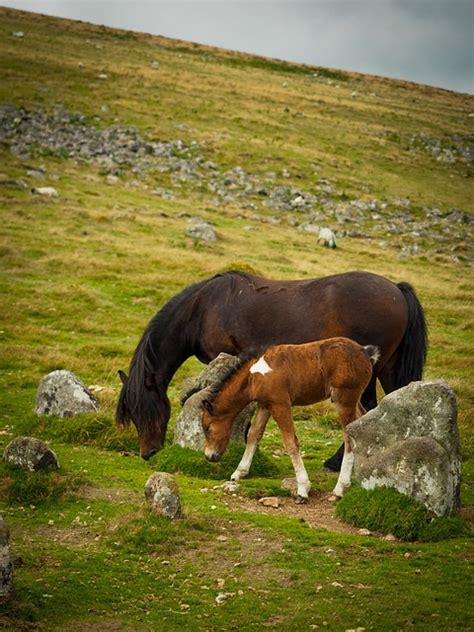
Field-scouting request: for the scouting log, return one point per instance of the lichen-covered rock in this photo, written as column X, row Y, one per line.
column 201, row 230
column 411, row 442
column 161, row 491
column 63, row 394
column 6, row 565
column 188, row 430
column 31, row 454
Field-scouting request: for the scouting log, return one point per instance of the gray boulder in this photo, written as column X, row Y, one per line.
column 6, row 564
column 63, row 394
column 188, row 430
column 411, row 442
column 31, row 454
column 161, row 491
column 199, row 229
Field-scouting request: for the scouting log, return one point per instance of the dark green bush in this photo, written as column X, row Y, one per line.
column 35, row 488
column 173, row 458
column 388, row 511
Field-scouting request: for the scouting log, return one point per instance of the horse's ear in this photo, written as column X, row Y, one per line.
column 207, row 406
column 123, row 377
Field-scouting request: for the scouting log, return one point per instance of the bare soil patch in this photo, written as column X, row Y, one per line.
column 319, row 512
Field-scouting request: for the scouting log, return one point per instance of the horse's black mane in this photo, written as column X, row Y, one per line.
column 135, row 400
column 249, row 354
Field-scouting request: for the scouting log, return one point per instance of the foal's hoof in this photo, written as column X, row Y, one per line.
column 300, row 500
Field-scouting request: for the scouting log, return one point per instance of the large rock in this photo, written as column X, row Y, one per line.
column 411, row 442
column 63, row 394
column 161, row 491
column 188, row 430
column 6, row 565
column 31, row 454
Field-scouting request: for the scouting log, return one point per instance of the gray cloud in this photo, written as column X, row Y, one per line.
column 427, row 41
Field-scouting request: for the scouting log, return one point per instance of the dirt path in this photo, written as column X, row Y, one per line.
column 318, row 513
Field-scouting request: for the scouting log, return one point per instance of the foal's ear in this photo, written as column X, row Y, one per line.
column 207, row 406
column 123, row 377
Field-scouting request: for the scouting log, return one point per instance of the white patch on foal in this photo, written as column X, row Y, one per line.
column 260, row 367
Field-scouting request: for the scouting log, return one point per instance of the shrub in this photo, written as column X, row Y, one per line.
column 35, row 488
column 186, row 461
column 386, row 510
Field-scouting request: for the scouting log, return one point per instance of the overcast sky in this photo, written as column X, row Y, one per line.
column 427, row 41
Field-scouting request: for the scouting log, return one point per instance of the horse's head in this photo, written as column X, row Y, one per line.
column 149, row 410
column 217, row 427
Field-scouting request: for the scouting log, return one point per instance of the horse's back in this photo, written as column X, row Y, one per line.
column 242, row 310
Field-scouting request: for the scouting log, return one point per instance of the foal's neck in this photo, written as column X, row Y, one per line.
column 234, row 395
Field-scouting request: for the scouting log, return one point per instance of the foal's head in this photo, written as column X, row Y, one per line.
column 217, row 426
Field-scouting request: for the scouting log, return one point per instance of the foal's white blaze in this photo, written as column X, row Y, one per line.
column 261, row 366
column 344, row 480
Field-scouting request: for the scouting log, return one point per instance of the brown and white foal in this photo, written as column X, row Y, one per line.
column 279, row 378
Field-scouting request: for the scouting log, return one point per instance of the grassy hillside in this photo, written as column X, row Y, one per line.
column 152, row 132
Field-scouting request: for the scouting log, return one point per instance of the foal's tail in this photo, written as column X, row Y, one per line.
column 411, row 353
column 373, row 352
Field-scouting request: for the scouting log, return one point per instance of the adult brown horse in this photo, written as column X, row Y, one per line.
column 234, row 311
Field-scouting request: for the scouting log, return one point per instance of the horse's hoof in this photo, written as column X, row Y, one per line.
column 334, row 498
column 300, row 500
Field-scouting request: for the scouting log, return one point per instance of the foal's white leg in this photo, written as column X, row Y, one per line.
column 282, row 416
column 344, row 480
column 255, row 434
column 302, row 478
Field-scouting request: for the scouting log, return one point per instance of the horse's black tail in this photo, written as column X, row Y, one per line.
column 411, row 355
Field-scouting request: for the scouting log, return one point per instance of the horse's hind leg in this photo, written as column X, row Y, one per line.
column 282, row 415
column 254, row 435
column 369, row 401
column 348, row 406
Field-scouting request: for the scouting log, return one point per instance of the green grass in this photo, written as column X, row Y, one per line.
column 173, row 459
column 387, row 511
column 82, row 274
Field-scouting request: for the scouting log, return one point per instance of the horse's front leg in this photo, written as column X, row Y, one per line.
column 282, row 415
column 255, row 434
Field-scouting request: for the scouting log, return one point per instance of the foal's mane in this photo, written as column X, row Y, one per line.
column 241, row 360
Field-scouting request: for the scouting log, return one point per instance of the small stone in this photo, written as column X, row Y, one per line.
column 270, row 501
column 221, row 598
column 31, row 454
column 229, row 487
column 364, row 532
column 390, row 538
column 48, row 192
column 161, row 491
column 200, row 230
